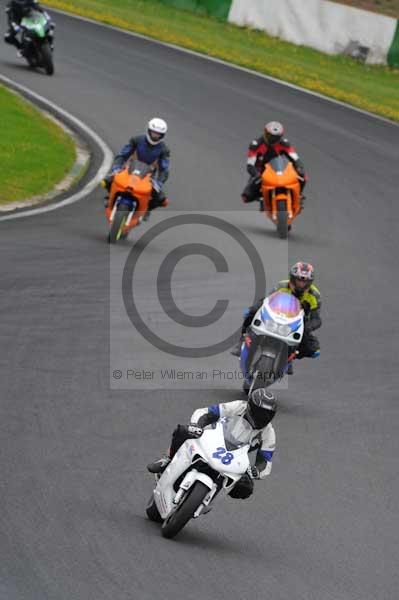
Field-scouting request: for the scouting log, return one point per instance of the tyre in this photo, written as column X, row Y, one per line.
column 282, row 219
column 47, row 58
column 265, row 375
column 116, row 231
column 29, row 53
column 152, row 511
column 185, row 511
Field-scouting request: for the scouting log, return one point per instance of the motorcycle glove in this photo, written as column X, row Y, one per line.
column 194, row 431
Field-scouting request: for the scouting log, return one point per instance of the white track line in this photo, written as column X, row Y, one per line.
column 226, row 64
column 92, row 184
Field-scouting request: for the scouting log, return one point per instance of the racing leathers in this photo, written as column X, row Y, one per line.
column 259, row 154
column 260, row 454
column 16, row 10
column 158, row 156
column 310, row 300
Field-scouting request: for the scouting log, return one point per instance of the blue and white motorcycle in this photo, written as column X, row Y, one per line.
column 201, row 470
column 271, row 341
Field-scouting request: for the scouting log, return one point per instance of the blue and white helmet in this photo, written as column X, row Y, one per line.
column 156, row 131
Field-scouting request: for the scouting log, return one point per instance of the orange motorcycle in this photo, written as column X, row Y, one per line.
column 129, row 198
column 281, row 193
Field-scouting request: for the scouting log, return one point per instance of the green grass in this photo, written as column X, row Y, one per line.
column 372, row 88
column 35, row 153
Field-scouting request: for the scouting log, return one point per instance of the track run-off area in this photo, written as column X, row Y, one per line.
column 74, row 448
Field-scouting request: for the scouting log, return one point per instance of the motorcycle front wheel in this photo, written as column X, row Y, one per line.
column 265, row 375
column 47, row 58
column 116, row 231
column 30, row 55
column 282, row 219
column 185, row 511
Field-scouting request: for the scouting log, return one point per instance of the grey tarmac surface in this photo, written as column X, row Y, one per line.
column 73, row 451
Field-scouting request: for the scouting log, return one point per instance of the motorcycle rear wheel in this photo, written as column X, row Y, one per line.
column 282, row 219
column 185, row 511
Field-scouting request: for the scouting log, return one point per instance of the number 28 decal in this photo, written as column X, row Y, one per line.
column 223, row 455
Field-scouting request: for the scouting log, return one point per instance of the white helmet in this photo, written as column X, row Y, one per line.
column 156, row 131
column 274, row 131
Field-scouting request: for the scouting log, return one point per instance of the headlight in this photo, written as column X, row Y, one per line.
column 284, row 330
column 274, row 327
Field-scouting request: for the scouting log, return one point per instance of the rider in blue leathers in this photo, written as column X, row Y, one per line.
column 152, row 150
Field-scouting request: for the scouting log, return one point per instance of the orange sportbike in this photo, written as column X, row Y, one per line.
column 129, row 198
column 281, row 193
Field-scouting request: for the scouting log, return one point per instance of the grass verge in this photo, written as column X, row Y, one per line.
column 372, row 88
column 35, row 154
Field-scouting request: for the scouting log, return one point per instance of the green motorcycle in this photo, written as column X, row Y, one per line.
column 37, row 40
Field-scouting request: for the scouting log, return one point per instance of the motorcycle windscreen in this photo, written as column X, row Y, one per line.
column 284, row 304
column 139, row 168
column 279, row 163
column 33, row 17
column 237, row 432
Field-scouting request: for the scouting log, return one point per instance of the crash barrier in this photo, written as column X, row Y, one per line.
column 326, row 26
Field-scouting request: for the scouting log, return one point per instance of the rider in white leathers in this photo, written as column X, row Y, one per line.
column 259, row 411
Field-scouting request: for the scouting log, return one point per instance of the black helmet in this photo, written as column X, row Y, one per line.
column 25, row 6
column 274, row 131
column 261, row 408
column 301, row 277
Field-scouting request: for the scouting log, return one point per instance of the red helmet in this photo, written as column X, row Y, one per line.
column 301, row 277
column 274, row 131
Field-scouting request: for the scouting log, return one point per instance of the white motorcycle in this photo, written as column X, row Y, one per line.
column 201, row 469
column 272, row 338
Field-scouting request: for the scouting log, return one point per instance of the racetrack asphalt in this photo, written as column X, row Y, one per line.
column 323, row 526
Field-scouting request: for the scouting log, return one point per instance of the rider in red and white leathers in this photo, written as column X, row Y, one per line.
column 261, row 151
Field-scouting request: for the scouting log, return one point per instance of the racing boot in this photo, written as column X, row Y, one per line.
column 159, row 465
column 261, row 206
column 106, row 182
